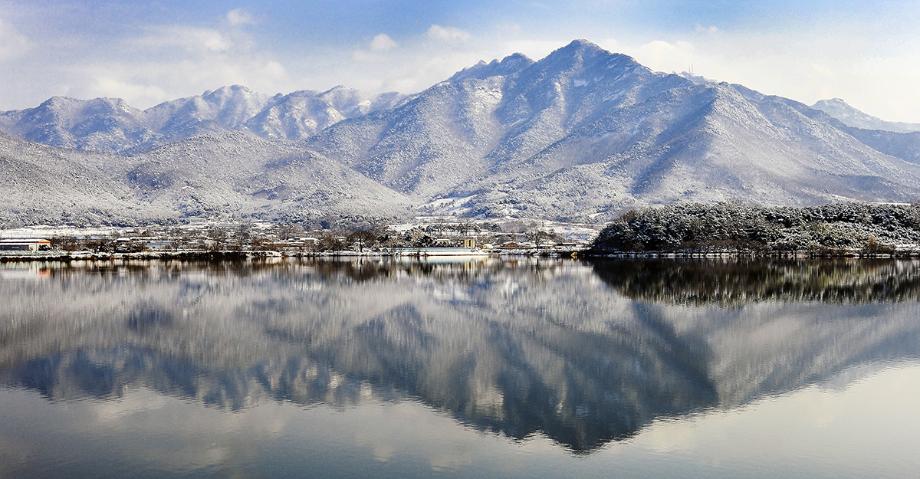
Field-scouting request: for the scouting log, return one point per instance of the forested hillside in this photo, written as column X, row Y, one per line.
column 733, row 226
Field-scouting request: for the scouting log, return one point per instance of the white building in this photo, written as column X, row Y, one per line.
column 25, row 244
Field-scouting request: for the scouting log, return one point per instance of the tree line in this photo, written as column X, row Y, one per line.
column 872, row 228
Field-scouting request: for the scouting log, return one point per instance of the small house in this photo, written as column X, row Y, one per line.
column 25, row 244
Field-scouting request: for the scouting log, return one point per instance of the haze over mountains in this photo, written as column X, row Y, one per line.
column 579, row 136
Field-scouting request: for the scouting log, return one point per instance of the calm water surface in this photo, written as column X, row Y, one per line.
column 467, row 369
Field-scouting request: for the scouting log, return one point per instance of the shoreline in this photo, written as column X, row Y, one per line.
column 23, row 257
column 751, row 254
column 59, row 256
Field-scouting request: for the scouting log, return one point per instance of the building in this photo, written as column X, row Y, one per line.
column 437, row 251
column 25, row 244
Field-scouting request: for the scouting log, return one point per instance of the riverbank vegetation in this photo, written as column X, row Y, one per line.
column 255, row 239
column 844, row 228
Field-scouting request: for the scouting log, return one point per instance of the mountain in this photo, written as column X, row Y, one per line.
column 579, row 135
column 584, row 133
column 240, row 175
column 851, row 116
column 110, row 125
column 222, row 176
column 301, row 114
column 885, row 138
column 214, row 110
column 101, row 124
column 431, row 141
column 42, row 184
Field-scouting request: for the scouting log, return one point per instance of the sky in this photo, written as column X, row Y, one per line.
column 867, row 53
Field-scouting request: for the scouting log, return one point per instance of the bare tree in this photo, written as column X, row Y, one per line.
column 243, row 235
column 218, row 237
column 66, row 243
column 330, row 242
column 286, row 231
column 362, row 238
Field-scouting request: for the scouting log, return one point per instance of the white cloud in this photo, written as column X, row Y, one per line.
column 188, row 39
column 376, row 49
column 238, row 16
column 166, row 62
column 147, row 82
column 12, row 43
column 447, row 34
column 706, row 28
column 382, row 42
column 804, row 66
column 117, row 86
column 665, row 56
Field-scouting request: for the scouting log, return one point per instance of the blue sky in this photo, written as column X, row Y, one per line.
column 865, row 52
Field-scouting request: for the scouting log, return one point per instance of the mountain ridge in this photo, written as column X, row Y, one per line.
column 578, row 135
column 110, row 125
column 851, row 116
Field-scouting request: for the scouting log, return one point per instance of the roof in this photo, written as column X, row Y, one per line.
column 24, row 240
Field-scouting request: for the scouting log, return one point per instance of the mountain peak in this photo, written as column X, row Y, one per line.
column 833, row 101
column 584, row 54
column 58, row 100
column 335, row 89
column 339, row 93
column 582, row 48
column 228, row 90
column 585, row 49
column 507, row 65
column 582, row 44
column 516, row 58
column 62, row 103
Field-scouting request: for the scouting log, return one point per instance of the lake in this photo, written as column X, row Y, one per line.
column 485, row 368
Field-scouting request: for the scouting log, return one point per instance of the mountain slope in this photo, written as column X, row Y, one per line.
column 41, row 184
column 239, row 175
column 851, row 116
column 431, row 141
column 227, row 176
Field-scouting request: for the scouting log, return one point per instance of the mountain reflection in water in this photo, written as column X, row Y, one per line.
column 584, row 353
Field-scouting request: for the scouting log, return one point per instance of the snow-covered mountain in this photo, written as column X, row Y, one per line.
column 227, row 176
column 101, row 124
column 301, row 114
column 901, row 140
column 584, row 132
column 579, row 135
column 41, row 184
column 240, row 175
column 111, row 125
column 215, row 110
column 851, row 116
